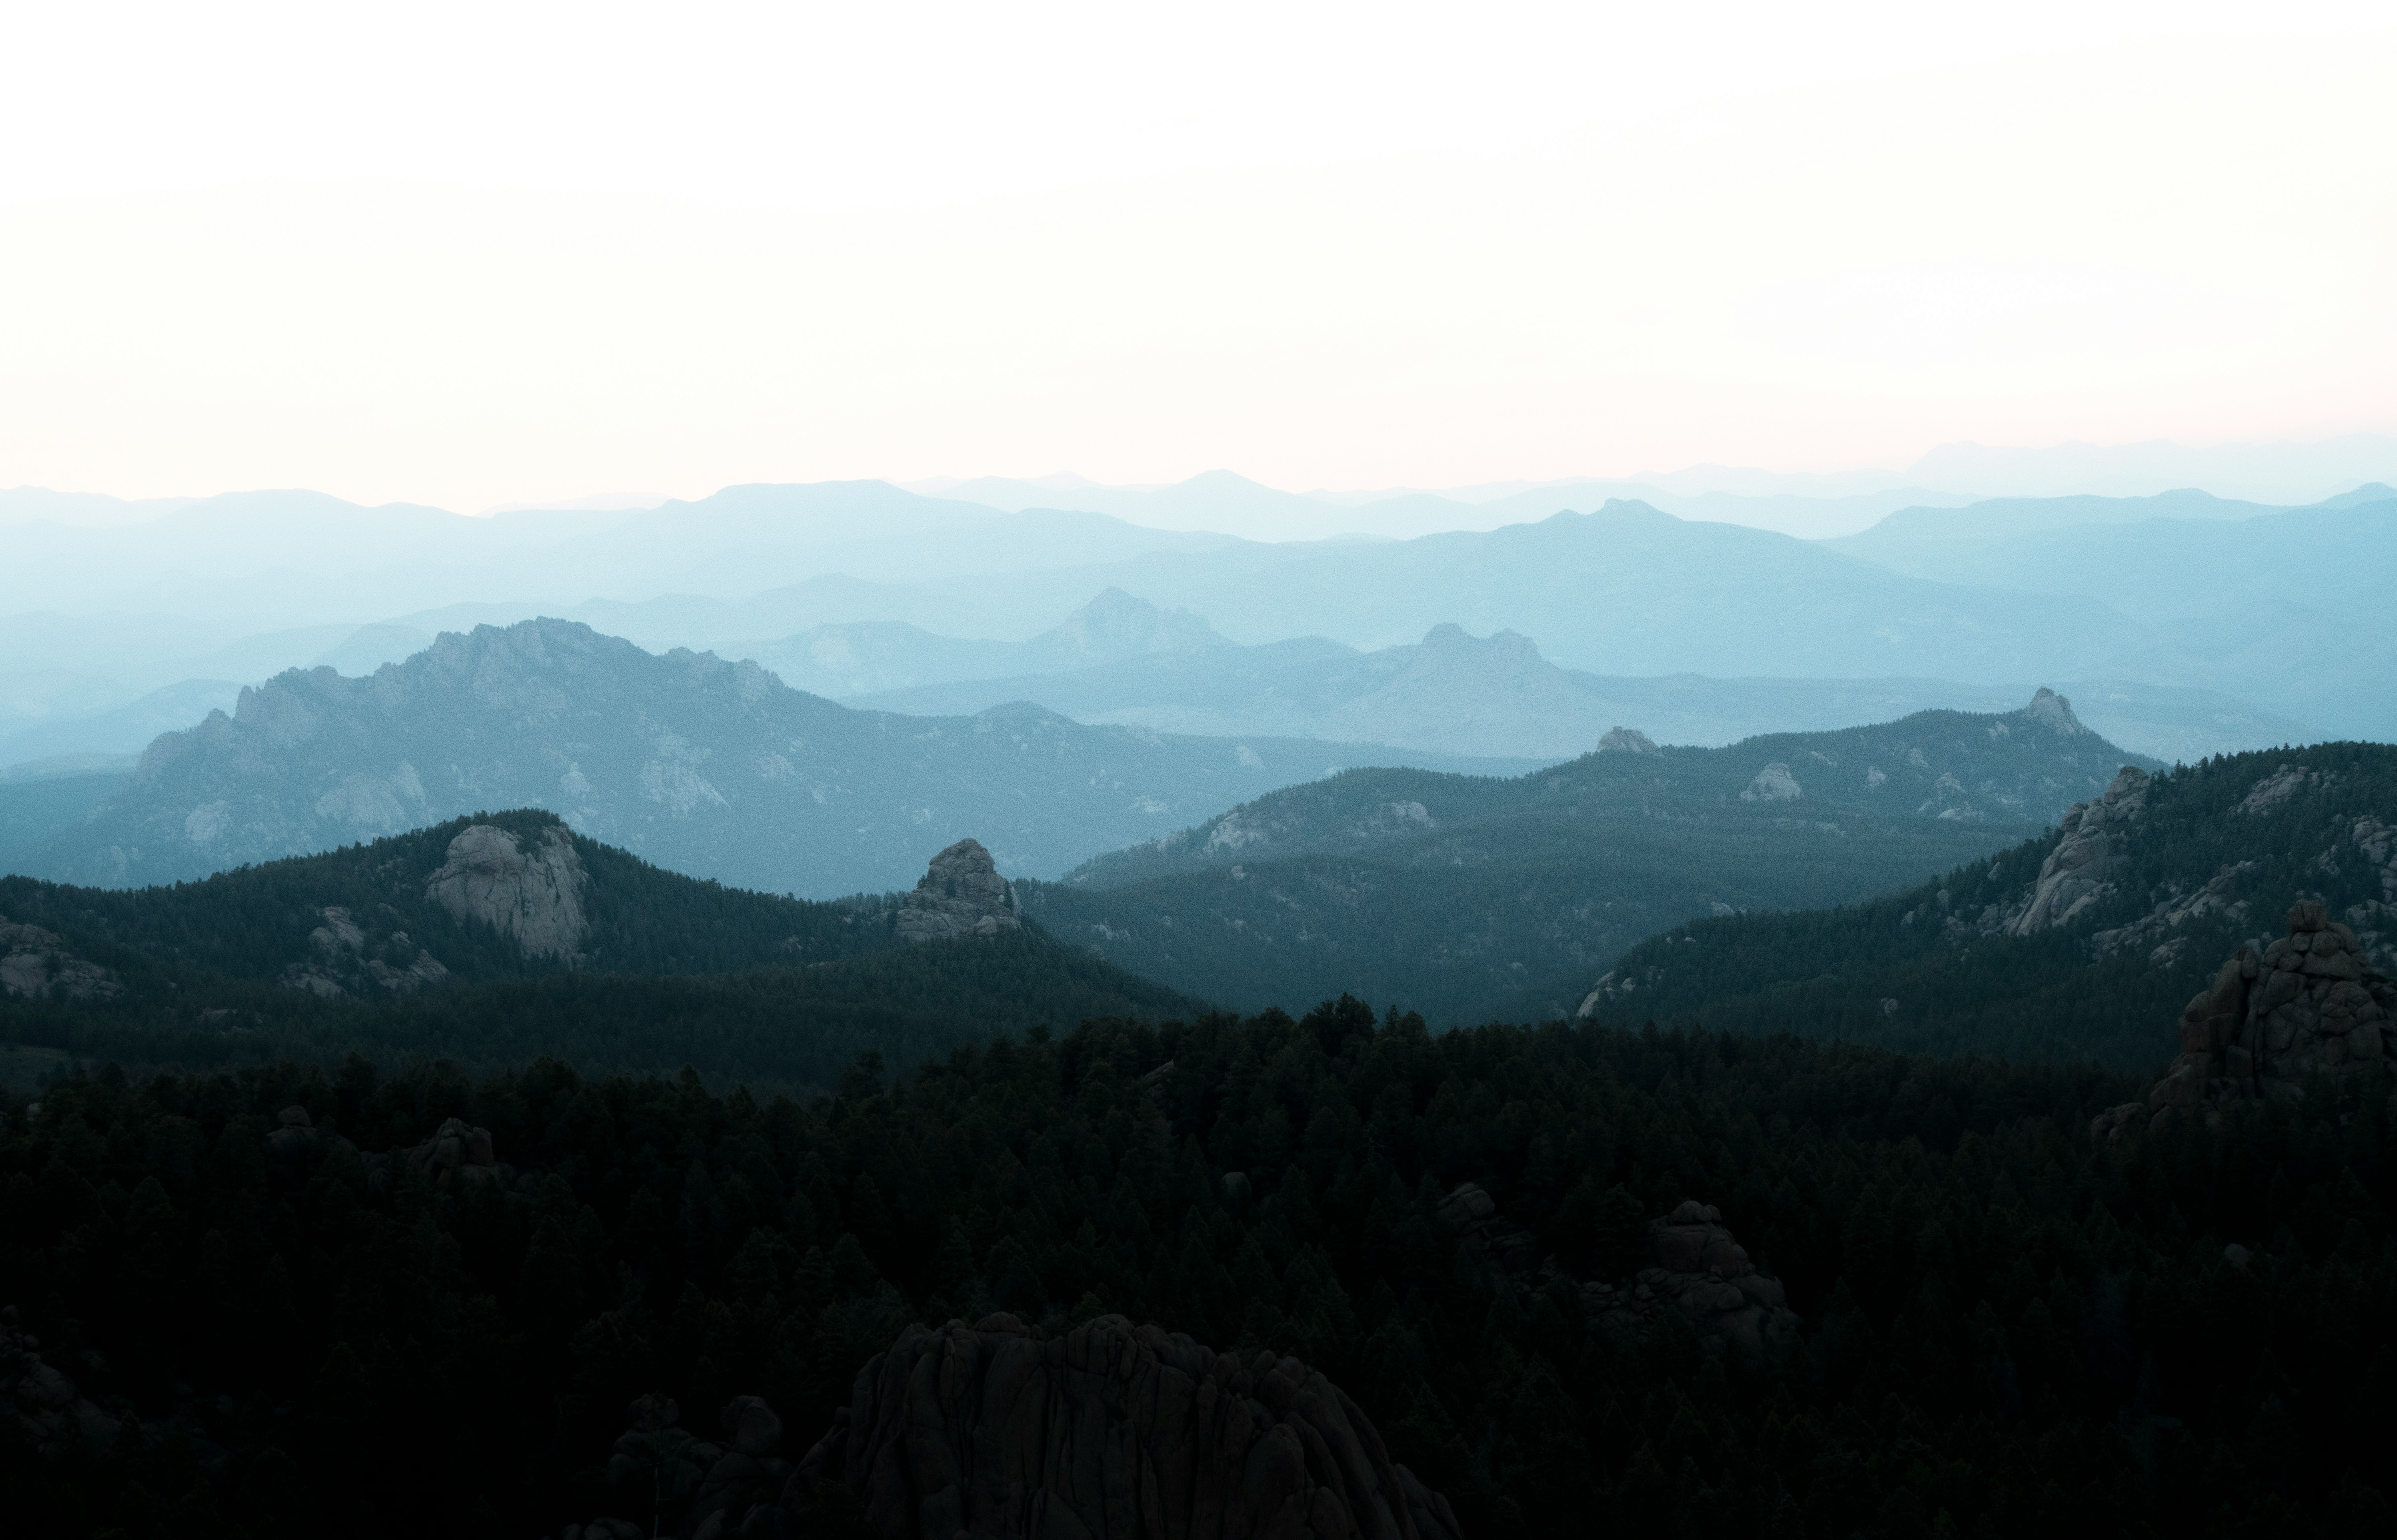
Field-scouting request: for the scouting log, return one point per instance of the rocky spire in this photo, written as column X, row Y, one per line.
column 961, row 894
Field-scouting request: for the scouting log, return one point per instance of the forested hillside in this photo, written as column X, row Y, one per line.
column 2083, row 942
column 1483, row 898
column 252, row 1319
column 503, row 937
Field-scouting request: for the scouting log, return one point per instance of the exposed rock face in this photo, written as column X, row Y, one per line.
column 1625, row 741
column 1110, row 1430
column 44, row 1403
column 458, row 1154
column 2308, row 1008
column 339, row 960
column 1773, row 783
column 2079, row 871
column 1694, row 1266
column 2055, row 713
column 532, row 896
column 961, row 894
column 34, row 962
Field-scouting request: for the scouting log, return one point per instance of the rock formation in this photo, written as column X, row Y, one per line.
column 533, row 897
column 1773, row 783
column 337, row 960
column 44, row 1403
column 35, row 962
column 458, row 1154
column 961, row 894
column 1625, row 741
column 2309, row 1007
column 2079, row 871
column 1109, row 1430
column 2054, row 712
column 1694, row 1266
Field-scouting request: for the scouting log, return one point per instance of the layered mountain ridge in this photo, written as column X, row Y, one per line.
column 2084, row 942
column 1467, row 897
column 704, row 766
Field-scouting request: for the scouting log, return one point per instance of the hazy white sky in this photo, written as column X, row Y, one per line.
column 471, row 255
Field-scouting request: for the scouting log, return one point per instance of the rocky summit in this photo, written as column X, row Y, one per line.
column 2307, row 1009
column 961, row 894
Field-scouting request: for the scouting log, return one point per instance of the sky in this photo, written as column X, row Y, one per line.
column 479, row 255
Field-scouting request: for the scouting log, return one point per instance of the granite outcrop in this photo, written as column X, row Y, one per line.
column 36, row 963
column 2307, row 1009
column 531, row 895
column 1109, row 1430
column 1692, row 1266
column 960, row 894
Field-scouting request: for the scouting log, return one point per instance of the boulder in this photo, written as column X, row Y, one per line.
column 1108, row 1429
column 1625, row 741
column 961, row 894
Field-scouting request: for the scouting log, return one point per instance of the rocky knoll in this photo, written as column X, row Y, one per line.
column 1109, row 1430
column 2307, row 1009
column 534, row 897
column 960, row 894
column 1694, row 1266
column 35, row 962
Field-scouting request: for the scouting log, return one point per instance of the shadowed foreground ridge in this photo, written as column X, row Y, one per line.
column 1111, row 1429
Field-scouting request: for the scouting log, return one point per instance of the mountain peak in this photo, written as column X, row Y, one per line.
column 1116, row 625
column 2055, row 713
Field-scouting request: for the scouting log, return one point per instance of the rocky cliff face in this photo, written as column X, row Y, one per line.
column 1110, row 1429
column 36, row 963
column 2078, row 872
column 2307, row 1009
column 960, row 894
column 534, row 897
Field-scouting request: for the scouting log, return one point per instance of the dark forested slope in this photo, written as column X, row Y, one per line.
column 506, row 936
column 1477, row 898
column 2081, row 943
column 2001, row 1327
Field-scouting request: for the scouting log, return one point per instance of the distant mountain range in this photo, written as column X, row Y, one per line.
column 699, row 765
column 2177, row 593
column 1456, row 694
column 1475, row 899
